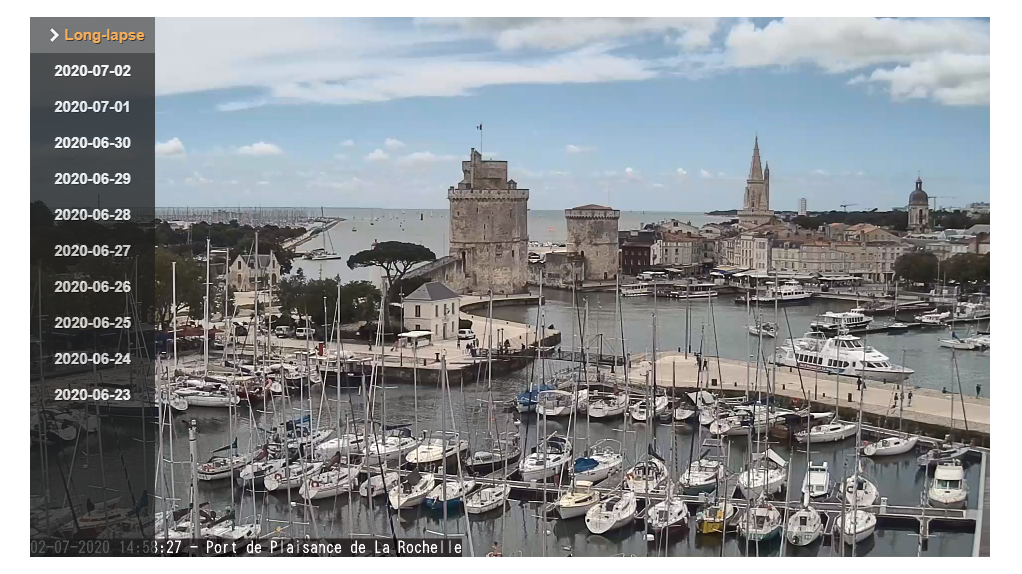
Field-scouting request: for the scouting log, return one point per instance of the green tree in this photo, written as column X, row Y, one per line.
column 967, row 269
column 190, row 277
column 917, row 267
column 395, row 258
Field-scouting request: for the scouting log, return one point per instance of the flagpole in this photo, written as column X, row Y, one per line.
column 480, row 128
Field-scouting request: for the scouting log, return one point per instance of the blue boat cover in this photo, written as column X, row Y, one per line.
column 584, row 464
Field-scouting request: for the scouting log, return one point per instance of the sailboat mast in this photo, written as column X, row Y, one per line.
column 205, row 318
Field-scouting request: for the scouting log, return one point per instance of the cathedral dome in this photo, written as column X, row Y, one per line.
column 918, row 196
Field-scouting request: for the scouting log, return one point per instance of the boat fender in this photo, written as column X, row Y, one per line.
column 316, row 484
column 278, row 477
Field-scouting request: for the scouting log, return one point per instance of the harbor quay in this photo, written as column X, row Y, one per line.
column 930, row 412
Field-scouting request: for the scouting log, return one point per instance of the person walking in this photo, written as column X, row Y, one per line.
column 979, row 389
column 910, row 397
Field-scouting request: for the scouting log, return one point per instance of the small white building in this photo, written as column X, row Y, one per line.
column 245, row 270
column 432, row 307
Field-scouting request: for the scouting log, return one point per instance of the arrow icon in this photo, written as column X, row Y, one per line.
column 55, row 34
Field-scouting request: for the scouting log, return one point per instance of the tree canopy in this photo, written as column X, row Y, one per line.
column 395, row 258
column 190, row 276
column 299, row 295
column 238, row 238
column 967, row 268
column 917, row 267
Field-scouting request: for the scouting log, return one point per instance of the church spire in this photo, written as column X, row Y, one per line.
column 756, row 171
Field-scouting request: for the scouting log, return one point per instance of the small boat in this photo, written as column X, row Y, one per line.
column 671, row 512
column 330, row 483
column 601, row 461
column 487, row 499
column 503, row 453
column 379, row 484
column 302, row 437
column 558, row 403
column 351, row 442
column 932, row 319
column 764, row 329
column 577, row 501
column 948, row 488
column 647, row 476
column 393, row 448
column 897, row 328
column 612, row 513
column 540, row 465
column 525, row 402
column 450, row 492
column 856, row 525
column 761, row 523
column 411, row 491
column 862, row 492
column 890, row 446
column 790, row 292
column 220, row 467
column 640, row 411
column 96, row 518
column 959, row 344
column 291, row 476
column 703, row 475
column 817, row 480
column 805, row 526
column 602, row 405
column 437, row 447
column 197, row 397
column 716, row 517
column 684, row 413
column 830, row 432
column 946, row 453
column 765, row 477
column 257, row 470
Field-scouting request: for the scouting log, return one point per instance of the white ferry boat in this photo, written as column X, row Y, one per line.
column 790, row 292
column 831, row 322
column 933, row 319
column 693, row 291
column 842, row 355
column 971, row 311
column 637, row 290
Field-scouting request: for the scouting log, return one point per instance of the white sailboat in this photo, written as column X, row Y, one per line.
column 291, row 476
column 765, row 477
column 487, row 499
column 830, row 432
column 860, row 491
column 805, row 526
column 890, row 446
column 379, row 484
column 602, row 461
column 640, row 410
column 330, row 483
column 612, row 513
column 856, row 526
column 761, row 523
column 395, row 445
column 647, row 476
column 539, row 465
column 558, row 403
column 671, row 512
column 601, row 405
column 411, row 491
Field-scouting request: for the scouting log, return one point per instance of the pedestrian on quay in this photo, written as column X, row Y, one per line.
column 910, row 397
column 979, row 388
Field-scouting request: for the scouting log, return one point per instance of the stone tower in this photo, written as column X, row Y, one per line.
column 756, row 206
column 918, row 209
column 593, row 235
column 489, row 227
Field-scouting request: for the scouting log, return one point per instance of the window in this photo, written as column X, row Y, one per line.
column 417, row 327
column 436, row 310
column 418, row 312
column 239, row 264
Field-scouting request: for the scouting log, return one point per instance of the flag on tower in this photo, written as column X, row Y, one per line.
column 479, row 127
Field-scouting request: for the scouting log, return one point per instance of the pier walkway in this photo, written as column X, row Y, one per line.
column 927, row 406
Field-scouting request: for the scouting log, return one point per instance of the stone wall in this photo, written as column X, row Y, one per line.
column 489, row 234
column 558, row 270
column 593, row 235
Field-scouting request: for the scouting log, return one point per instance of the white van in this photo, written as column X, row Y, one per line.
column 283, row 331
column 303, row 332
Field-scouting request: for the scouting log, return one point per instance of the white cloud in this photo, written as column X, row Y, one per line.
column 260, row 148
column 347, row 143
column 262, row 183
column 425, row 157
column 570, row 148
column 658, row 185
column 705, row 174
column 681, row 171
column 392, row 143
column 232, row 182
column 720, row 174
column 377, row 155
column 345, row 184
column 556, row 173
column 170, row 147
column 628, row 170
column 197, row 179
column 947, row 60
column 821, row 172
column 860, row 173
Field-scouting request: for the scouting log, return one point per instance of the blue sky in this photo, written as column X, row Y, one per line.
column 659, row 113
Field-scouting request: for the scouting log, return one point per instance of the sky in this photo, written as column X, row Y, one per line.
column 641, row 114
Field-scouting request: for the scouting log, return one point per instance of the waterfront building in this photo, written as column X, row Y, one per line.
column 247, row 269
column 756, row 205
column 432, row 307
column 593, row 238
column 918, row 209
column 802, row 206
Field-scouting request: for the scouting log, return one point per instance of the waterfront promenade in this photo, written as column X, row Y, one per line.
column 928, row 406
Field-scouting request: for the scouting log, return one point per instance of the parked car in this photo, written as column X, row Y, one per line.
column 303, row 332
column 466, row 334
column 283, row 331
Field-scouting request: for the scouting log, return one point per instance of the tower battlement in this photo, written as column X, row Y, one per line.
column 488, row 194
column 586, row 213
